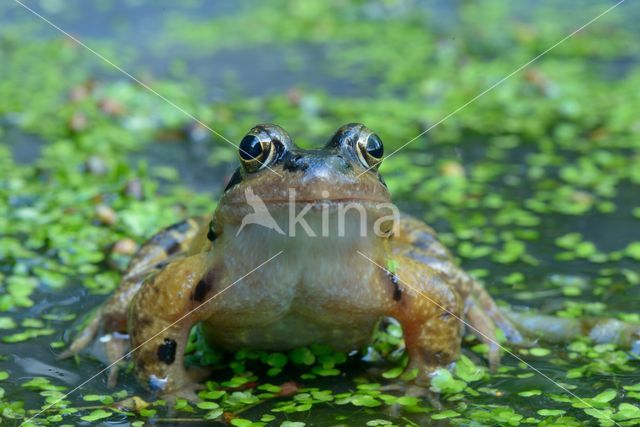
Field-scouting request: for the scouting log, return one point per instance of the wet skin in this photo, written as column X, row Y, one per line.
column 320, row 289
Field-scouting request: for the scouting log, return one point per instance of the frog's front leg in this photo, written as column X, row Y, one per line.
column 429, row 311
column 160, row 318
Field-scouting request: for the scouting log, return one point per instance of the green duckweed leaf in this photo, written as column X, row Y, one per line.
column 96, row 415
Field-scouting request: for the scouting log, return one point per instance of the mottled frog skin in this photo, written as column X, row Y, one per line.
column 319, row 289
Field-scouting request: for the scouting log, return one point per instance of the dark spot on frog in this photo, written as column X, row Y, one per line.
column 236, row 179
column 397, row 292
column 424, row 240
column 211, row 234
column 167, row 351
column 173, row 247
column 180, row 227
column 202, row 289
column 295, row 162
column 161, row 265
column 167, row 241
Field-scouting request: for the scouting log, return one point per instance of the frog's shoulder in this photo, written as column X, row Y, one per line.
column 415, row 232
column 181, row 238
column 416, row 240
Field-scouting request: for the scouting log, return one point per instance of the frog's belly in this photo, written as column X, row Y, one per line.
column 291, row 331
column 320, row 290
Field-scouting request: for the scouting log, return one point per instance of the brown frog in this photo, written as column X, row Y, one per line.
column 305, row 247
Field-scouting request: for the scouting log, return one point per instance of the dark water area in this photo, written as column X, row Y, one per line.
column 134, row 26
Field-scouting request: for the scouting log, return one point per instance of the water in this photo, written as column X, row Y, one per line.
column 133, row 25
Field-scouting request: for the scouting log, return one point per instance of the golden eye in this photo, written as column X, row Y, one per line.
column 255, row 153
column 370, row 150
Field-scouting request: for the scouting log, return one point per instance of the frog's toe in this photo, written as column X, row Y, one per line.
column 187, row 385
column 411, row 389
column 187, row 392
column 84, row 338
column 115, row 349
column 484, row 328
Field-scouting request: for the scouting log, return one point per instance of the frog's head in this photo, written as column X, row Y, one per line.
column 275, row 173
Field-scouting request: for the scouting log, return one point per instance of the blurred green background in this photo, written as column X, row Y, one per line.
column 535, row 185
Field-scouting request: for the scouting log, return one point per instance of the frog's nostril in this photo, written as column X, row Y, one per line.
column 296, row 162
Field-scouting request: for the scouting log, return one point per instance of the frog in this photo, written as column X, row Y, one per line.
column 253, row 278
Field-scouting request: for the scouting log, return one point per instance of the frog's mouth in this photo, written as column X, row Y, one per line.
column 318, row 197
column 335, row 217
column 239, row 209
column 329, row 202
column 310, row 193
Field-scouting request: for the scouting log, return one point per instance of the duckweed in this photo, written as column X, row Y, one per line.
column 534, row 187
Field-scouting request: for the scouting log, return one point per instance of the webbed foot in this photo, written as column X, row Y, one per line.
column 187, row 392
column 84, row 338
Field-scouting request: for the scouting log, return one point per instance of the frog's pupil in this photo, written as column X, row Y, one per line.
column 374, row 146
column 250, row 147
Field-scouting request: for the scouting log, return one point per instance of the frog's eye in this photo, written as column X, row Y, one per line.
column 370, row 150
column 256, row 152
